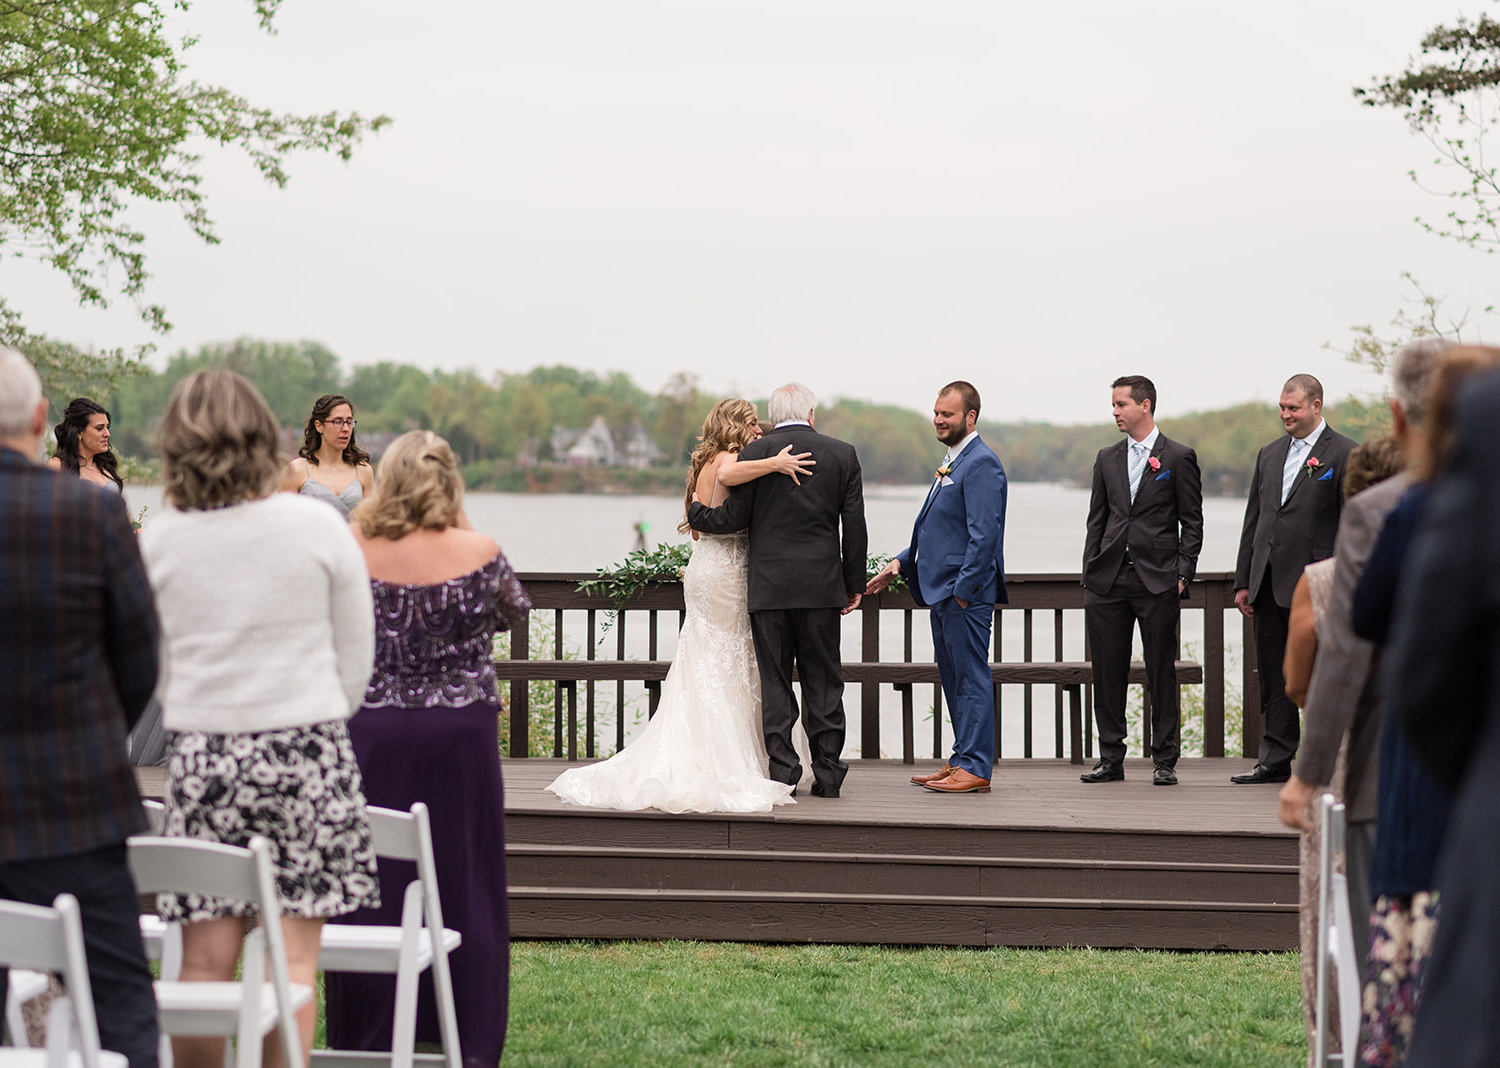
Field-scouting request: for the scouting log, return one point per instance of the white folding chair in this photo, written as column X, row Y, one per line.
column 1335, row 944
column 51, row 940
column 21, row 988
column 420, row 942
column 247, row 1010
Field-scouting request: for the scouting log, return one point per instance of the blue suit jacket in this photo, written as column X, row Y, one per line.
column 958, row 539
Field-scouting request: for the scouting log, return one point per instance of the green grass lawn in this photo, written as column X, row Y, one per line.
column 692, row 1003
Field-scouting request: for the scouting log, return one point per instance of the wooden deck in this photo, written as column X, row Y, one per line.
column 1043, row 860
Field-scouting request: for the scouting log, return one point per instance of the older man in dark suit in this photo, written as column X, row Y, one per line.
column 1145, row 530
column 1291, row 519
column 77, row 665
column 807, row 568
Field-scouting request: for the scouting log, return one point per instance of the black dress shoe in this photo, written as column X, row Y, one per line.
column 1261, row 774
column 1104, row 771
column 1163, row 775
column 819, row 790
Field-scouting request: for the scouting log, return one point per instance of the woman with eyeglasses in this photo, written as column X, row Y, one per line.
column 330, row 466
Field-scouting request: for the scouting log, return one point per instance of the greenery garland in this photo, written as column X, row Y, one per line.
column 644, row 567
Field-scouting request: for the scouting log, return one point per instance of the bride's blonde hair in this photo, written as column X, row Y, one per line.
column 729, row 427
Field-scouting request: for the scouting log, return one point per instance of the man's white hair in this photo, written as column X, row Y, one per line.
column 20, row 392
column 791, row 401
column 1412, row 371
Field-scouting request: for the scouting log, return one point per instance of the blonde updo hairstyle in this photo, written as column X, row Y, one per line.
column 220, row 444
column 417, row 487
column 729, row 427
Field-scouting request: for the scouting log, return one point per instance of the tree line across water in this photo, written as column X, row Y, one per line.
column 501, row 425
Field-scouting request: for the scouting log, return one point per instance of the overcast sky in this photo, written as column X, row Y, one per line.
column 872, row 197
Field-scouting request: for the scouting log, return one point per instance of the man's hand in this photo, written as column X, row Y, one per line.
column 1295, row 807
column 961, row 602
column 1242, row 602
column 1181, row 585
column 853, row 604
column 882, row 578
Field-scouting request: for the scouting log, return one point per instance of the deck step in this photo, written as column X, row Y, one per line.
column 909, row 875
column 564, row 912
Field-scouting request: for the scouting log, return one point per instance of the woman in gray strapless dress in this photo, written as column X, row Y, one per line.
column 330, row 466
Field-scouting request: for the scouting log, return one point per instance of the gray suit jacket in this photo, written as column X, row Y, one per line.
column 1345, row 695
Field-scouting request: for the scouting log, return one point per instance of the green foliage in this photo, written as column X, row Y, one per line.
column 895, row 444
column 1452, row 99
column 641, row 568
column 98, row 115
column 690, row 1003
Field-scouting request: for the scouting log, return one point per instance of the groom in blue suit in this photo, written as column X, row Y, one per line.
column 955, row 566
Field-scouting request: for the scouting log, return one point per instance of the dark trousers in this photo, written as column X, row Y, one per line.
column 1282, row 728
column 808, row 638
column 118, row 974
column 961, row 644
column 1110, row 619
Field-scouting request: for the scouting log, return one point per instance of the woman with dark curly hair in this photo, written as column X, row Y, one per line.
column 83, row 444
column 330, row 466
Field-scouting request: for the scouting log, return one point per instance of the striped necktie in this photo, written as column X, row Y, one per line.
column 1293, row 465
column 1137, row 465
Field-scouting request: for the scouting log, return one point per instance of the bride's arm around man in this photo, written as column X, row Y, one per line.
column 807, row 567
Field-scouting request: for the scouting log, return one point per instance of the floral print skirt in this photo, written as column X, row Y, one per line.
column 1401, row 933
column 300, row 789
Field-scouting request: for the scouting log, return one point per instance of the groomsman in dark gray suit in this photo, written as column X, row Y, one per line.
column 1145, row 531
column 1291, row 520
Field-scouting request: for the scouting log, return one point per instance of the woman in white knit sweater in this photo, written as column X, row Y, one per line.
column 267, row 645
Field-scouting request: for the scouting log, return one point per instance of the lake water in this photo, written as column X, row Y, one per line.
column 1044, row 533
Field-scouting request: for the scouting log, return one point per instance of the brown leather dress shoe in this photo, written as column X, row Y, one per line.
column 959, row 781
column 941, row 773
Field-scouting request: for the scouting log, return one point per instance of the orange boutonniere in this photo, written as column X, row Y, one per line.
column 944, row 471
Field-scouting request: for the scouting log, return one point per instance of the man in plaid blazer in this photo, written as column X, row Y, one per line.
column 77, row 664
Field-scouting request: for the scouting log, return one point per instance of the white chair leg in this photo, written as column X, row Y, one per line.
column 253, row 976
column 404, row 1026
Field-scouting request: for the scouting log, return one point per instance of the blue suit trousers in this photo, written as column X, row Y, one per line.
column 961, row 642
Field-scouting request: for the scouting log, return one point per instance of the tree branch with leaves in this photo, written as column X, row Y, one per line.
column 97, row 116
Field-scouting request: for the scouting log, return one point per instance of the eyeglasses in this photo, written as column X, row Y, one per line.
column 350, row 423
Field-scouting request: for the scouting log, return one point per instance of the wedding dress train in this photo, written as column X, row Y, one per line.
column 704, row 750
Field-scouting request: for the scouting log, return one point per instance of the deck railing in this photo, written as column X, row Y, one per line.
column 580, row 626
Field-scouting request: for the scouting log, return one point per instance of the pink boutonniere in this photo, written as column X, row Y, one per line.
column 1312, row 466
column 1155, row 463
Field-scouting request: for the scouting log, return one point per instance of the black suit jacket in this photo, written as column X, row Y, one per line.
column 1163, row 527
column 808, row 541
column 78, row 640
column 1287, row 537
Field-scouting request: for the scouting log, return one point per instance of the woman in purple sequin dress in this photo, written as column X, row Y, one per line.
column 426, row 731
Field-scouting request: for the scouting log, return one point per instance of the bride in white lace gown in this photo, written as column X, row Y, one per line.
column 704, row 750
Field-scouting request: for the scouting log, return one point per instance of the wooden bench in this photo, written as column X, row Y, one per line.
column 1071, row 676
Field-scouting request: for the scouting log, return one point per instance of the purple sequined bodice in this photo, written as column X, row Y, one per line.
column 433, row 643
